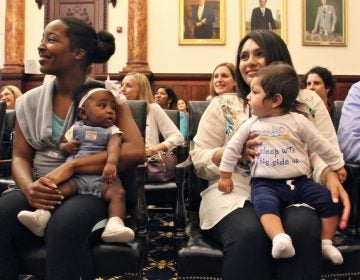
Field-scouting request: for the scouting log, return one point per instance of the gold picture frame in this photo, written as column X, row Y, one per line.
column 253, row 18
column 324, row 26
column 204, row 33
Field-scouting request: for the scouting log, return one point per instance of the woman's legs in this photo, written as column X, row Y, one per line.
column 67, row 237
column 12, row 234
column 246, row 247
column 303, row 225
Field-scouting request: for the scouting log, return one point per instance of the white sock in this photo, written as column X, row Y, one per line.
column 116, row 231
column 35, row 221
column 330, row 252
column 282, row 246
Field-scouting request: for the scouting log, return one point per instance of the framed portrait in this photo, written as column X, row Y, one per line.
column 324, row 23
column 263, row 14
column 201, row 22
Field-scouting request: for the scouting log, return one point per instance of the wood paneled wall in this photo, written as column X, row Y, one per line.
column 186, row 86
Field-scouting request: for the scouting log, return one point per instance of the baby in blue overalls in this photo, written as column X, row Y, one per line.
column 92, row 133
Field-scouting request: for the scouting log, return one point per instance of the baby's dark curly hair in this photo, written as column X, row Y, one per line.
column 84, row 88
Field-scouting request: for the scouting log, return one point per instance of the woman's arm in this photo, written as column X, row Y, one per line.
column 171, row 134
column 321, row 172
column 40, row 194
column 349, row 126
column 331, row 180
column 209, row 142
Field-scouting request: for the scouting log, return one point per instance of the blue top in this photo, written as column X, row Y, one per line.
column 349, row 126
column 184, row 124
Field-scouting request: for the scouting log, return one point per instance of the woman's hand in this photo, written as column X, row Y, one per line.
column 249, row 152
column 338, row 193
column 149, row 152
column 216, row 158
column 43, row 194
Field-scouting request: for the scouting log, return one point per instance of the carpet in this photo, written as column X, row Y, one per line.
column 161, row 252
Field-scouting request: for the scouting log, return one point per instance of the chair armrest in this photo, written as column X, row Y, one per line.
column 182, row 152
column 182, row 180
column 133, row 181
column 352, row 186
column 140, row 213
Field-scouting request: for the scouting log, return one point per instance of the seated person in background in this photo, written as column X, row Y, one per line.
column 166, row 98
column 184, row 117
column 136, row 86
column 93, row 132
column 279, row 173
column 9, row 94
column 349, row 127
column 222, row 80
column 321, row 80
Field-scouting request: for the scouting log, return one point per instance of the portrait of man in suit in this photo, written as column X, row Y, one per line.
column 325, row 21
column 262, row 17
column 203, row 18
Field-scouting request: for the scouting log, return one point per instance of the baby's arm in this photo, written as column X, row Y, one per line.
column 113, row 149
column 225, row 182
column 231, row 156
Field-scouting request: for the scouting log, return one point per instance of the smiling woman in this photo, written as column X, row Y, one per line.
column 68, row 47
column 9, row 94
column 223, row 79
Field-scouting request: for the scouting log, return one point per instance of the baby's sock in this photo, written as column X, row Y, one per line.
column 116, row 231
column 282, row 246
column 35, row 221
column 330, row 252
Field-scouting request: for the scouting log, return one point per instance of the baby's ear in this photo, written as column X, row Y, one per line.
column 81, row 113
column 277, row 100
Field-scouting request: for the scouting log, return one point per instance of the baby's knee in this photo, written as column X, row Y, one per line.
column 116, row 192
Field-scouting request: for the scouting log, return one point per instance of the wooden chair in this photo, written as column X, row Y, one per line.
column 200, row 258
column 111, row 259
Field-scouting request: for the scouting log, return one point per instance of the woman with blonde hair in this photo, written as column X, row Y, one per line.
column 136, row 86
column 9, row 94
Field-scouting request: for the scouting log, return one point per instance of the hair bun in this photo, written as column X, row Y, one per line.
column 105, row 46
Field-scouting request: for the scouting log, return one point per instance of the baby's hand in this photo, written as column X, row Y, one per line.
column 226, row 185
column 72, row 146
column 109, row 173
column 342, row 174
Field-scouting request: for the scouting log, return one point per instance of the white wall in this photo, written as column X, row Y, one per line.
column 165, row 55
column 2, row 32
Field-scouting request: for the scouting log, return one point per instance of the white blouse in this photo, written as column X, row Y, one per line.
column 158, row 122
column 220, row 120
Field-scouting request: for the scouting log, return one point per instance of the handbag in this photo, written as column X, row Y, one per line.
column 160, row 167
